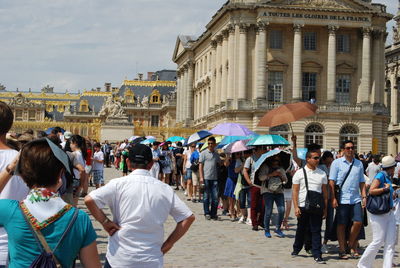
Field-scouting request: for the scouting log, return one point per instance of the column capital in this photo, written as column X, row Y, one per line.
column 244, row 27
column 261, row 26
column 332, row 29
column 366, row 31
column 231, row 28
column 219, row 38
column 297, row 27
column 377, row 33
column 225, row 33
column 213, row 44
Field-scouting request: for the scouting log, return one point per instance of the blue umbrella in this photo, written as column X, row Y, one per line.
column 301, row 153
column 229, row 139
column 148, row 141
column 48, row 131
column 285, row 156
column 268, row 140
column 202, row 134
column 175, row 139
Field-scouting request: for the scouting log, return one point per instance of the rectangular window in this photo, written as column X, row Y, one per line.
column 310, row 41
column 32, row 115
column 343, row 43
column 275, row 86
column 309, row 86
column 275, row 39
column 154, row 120
column 343, row 85
column 18, row 115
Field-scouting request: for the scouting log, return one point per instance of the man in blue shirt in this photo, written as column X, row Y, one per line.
column 352, row 196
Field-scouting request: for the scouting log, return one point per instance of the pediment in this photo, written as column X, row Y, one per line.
column 276, row 62
column 181, row 45
column 345, row 65
column 354, row 5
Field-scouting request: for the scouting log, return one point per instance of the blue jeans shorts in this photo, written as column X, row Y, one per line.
column 98, row 176
column 188, row 175
column 349, row 213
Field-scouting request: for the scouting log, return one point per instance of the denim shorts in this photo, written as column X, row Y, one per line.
column 98, row 177
column 188, row 175
column 347, row 213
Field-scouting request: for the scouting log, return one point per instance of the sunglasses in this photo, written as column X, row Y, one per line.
column 349, row 148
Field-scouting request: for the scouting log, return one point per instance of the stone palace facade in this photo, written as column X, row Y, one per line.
column 258, row 54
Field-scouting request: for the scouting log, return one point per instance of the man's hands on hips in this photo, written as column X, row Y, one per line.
column 166, row 247
column 111, row 227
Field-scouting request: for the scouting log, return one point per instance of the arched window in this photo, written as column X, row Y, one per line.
column 282, row 130
column 314, row 134
column 349, row 132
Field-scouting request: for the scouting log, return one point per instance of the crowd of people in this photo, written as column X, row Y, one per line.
column 43, row 177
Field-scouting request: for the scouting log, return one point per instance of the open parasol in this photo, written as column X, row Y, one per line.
column 288, row 113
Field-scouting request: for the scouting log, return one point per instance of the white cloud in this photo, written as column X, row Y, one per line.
column 78, row 44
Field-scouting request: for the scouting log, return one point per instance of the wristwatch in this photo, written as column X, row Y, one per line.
column 9, row 171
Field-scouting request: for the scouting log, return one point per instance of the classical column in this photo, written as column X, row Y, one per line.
column 224, row 69
column 242, row 78
column 218, row 70
column 213, row 73
column 231, row 63
column 297, row 63
column 178, row 95
column 331, row 70
column 393, row 100
column 184, row 93
column 204, row 103
column 364, row 93
column 376, row 72
column 189, row 97
column 261, row 61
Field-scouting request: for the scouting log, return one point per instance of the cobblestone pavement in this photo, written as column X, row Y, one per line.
column 230, row 244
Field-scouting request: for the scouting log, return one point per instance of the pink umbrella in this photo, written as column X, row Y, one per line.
column 237, row 146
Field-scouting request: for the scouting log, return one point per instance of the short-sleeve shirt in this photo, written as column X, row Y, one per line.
column 210, row 161
column 316, row 179
column 372, row 170
column 77, row 159
column 350, row 193
column 140, row 204
column 250, row 164
column 383, row 178
column 98, row 156
column 187, row 154
column 21, row 239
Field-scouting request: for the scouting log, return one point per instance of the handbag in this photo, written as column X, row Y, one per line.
column 314, row 203
column 46, row 258
column 338, row 189
column 378, row 204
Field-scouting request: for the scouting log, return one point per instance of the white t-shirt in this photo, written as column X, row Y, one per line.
column 15, row 189
column 372, row 170
column 78, row 159
column 140, row 204
column 316, row 178
column 98, row 156
column 188, row 154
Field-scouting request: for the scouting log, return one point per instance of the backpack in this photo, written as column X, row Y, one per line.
column 194, row 160
column 46, row 258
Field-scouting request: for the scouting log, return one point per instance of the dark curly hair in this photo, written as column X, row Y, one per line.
column 37, row 164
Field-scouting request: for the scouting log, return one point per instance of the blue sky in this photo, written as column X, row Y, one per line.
column 81, row 44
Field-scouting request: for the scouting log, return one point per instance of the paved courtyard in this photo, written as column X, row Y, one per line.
column 230, row 244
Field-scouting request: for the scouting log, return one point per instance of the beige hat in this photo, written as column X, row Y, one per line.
column 388, row 161
column 67, row 135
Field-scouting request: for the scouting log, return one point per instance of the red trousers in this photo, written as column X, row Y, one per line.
column 256, row 206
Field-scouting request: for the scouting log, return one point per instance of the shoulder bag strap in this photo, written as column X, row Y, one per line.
column 305, row 178
column 70, row 224
column 348, row 173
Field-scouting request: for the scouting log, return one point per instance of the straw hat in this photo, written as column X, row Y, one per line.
column 388, row 161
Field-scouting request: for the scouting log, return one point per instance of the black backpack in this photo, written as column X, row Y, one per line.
column 47, row 259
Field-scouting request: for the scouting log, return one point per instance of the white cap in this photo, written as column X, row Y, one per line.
column 388, row 161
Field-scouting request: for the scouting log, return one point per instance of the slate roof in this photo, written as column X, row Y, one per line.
column 145, row 91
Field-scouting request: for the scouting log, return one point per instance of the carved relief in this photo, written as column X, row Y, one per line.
column 319, row 3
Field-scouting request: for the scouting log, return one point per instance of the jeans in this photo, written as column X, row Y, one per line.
column 313, row 223
column 210, row 192
column 257, row 207
column 383, row 234
column 269, row 199
column 244, row 195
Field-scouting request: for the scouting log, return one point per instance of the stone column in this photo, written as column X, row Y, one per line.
column 218, row 71
column 178, row 96
column 261, row 61
column 213, row 73
column 204, row 106
column 189, row 97
column 242, row 78
column 231, row 63
column 224, row 69
column 393, row 99
column 184, row 93
column 364, row 93
column 331, row 70
column 376, row 72
column 297, row 47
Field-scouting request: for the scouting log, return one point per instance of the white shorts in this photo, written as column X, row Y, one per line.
column 288, row 194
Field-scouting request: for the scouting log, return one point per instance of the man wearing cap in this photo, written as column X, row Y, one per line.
column 140, row 205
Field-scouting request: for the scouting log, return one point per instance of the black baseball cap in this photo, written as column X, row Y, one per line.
column 140, row 154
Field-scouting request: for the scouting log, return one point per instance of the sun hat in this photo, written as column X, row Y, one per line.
column 388, row 161
column 67, row 135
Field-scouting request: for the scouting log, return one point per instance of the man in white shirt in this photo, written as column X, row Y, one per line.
column 11, row 187
column 309, row 220
column 140, row 205
column 373, row 168
column 97, row 166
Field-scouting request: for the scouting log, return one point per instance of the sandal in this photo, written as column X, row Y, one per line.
column 343, row 256
column 354, row 254
column 285, row 224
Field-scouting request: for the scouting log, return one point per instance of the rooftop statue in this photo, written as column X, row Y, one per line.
column 111, row 108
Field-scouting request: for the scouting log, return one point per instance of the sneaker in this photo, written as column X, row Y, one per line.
column 279, row 233
column 267, row 234
column 294, row 254
column 248, row 222
column 185, row 193
column 208, row 217
column 216, row 218
column 324, row 249
column 194, row 200
column 241, row 220
column 309, row 252
column 320, row 260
